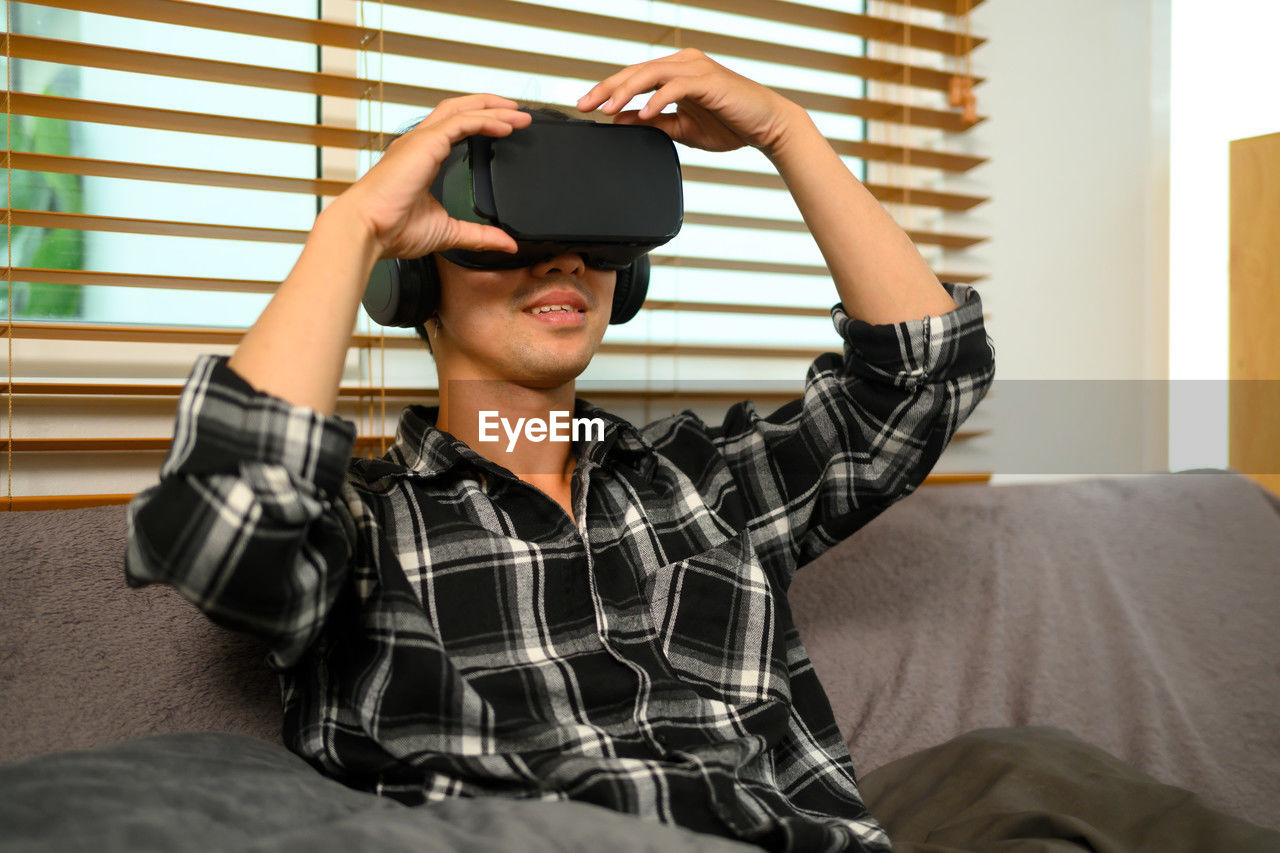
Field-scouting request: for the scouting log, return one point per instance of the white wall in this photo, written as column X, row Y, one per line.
column 1079, row 142
column 1225, row 68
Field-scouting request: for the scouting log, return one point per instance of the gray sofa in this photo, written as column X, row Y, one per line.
column 1138, row 613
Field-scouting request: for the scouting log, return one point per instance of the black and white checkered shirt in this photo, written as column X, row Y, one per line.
column 443, row 629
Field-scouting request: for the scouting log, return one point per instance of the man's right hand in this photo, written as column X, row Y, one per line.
column 393, row 200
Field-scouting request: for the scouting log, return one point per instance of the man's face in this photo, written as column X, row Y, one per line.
column 488, row 328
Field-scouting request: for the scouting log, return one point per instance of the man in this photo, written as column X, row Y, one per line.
column 603, row 620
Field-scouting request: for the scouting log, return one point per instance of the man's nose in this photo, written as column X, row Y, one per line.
column 568, row 263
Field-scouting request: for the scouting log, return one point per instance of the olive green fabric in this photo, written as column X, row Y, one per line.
column 1041, row 789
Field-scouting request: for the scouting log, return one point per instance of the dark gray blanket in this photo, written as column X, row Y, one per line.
column 1021, row 790
column 210, row 792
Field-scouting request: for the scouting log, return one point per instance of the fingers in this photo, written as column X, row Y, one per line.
column 669, row 93
column 434, row 140
column 669, row 123
column 476, row 237
column 615, row 91
column 450, row 107
column 467, row 103
column 474, row 117
column 493, row 122
column 394, row 196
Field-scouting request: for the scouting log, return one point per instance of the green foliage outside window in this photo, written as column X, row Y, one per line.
column 46, row 248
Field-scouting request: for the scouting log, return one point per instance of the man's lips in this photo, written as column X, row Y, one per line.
column 559, row 306
column 563, row 297
column 558, row 318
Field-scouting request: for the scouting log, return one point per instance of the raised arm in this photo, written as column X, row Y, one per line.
column 388, row 213
column 879, row 274
column 872, row 421
column 247, row 520
column 878, row 271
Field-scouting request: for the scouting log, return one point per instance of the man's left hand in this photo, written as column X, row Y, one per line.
column 716, row 109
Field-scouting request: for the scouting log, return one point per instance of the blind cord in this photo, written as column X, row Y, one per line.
column 374, row 404
column 382, row 333
column 8, row 183
column 906, row 119
column 961, row 90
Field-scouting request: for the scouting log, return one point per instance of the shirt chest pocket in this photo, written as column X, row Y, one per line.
column 716, row 625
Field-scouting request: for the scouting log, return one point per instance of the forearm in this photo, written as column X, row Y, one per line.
column 298, row 346
column 878, row 272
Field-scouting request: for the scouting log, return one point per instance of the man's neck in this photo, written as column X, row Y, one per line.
column 502, row 421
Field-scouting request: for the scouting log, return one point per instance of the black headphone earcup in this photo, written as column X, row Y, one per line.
column 629, row 292
column 402, row 292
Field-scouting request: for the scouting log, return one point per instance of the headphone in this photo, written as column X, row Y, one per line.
column 405, row 292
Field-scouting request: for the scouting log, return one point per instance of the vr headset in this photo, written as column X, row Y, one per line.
column 609, row 192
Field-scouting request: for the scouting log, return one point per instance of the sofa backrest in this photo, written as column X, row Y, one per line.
column 85, row 660
column 1138, row 613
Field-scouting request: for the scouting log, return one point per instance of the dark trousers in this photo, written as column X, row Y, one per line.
column 1040, row 789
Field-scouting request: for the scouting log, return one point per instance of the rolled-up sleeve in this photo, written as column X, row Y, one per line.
column 868, row 430
column 246, row 521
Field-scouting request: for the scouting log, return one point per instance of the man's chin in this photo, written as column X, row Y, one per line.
column 546, row 364
column 554, row 374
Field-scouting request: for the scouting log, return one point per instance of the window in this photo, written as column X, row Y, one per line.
column 168, row 159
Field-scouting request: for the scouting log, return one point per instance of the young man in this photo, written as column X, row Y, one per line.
column 603, row 620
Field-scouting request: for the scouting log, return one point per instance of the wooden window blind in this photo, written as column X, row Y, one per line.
column 165, row 160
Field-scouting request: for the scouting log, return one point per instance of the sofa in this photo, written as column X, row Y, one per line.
column 1138, row 613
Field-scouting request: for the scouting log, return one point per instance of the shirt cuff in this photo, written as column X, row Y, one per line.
column 911, row 352
column 224, row 422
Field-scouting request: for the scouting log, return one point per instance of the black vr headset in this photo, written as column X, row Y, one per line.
column 610, row 192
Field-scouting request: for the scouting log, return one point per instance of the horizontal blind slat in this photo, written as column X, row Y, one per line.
column 161, row 445
column 888, row 193
column 884, row 192
column 171, row 228
column 131, row 445
column 154, row 118
column 158, row 227
column 97, row 278
column 230, row 337
column 357, row 37
column 308, row 82
column 28, row 503
column 220, row 71
column 950, row 7
column 347, row 392
column 26, row 161
column 868, row 26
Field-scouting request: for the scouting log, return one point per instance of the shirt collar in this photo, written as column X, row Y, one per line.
column 423, row 450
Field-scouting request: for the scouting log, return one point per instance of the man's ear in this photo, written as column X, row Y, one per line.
column 425, row 333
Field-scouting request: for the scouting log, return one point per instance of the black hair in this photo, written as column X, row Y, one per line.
column 542, row 110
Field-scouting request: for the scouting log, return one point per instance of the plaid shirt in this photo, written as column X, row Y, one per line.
column 443, row 629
